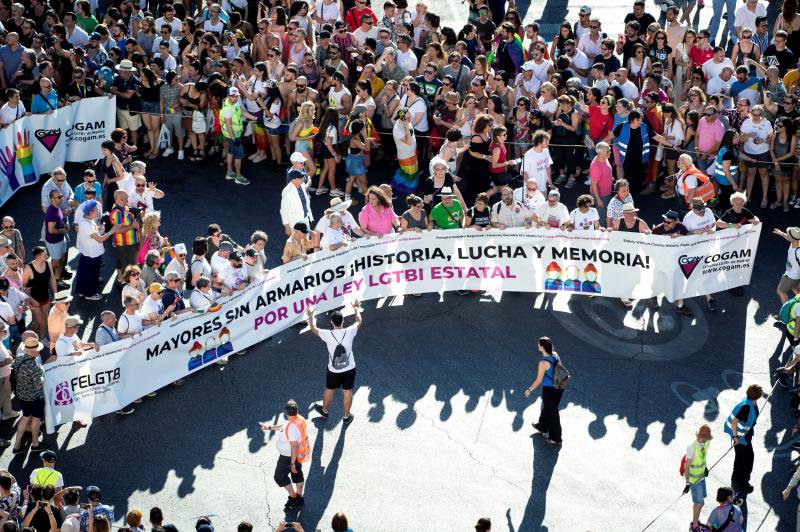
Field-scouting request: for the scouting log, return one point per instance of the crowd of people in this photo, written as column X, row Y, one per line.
column 484, row 126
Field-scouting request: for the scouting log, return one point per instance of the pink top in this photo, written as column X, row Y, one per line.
column 600, row 173
column 375, row 222
column 708, row 135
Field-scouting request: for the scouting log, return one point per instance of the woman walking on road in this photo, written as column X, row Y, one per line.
column 549, row 420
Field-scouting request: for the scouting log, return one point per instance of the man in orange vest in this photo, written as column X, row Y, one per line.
column 292, row 444
column 692, row 182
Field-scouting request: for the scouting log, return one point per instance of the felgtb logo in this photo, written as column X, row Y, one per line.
column 62, row 395
column 688, row 264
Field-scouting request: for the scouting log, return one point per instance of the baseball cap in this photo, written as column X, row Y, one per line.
column 296, row 174
column 226, row 246
column 585, row 10
column 5, row 242
column 671, row 215
column 698, row 202
column 48, row 456
column 250, row 252
column 233, row 91
column 527, row 66
column 93, row 492
column 4, row 284
column 180, row 249
column 236, row 255
column 73, row 321
column 155, row 288
column 297, row 157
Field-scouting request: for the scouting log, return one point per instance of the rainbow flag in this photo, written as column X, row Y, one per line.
column 405, row 179
column 490, row 58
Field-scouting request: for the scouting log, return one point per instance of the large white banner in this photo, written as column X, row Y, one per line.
column 36, row 144
column 582, row 262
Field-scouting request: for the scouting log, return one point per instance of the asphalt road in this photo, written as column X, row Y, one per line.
column 442, row 433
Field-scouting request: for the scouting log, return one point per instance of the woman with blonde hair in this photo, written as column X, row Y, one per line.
column 695, row 101
column 547, row 102
column 433, row 54
column 302, row 134
column 151, row 238
column 134, row 286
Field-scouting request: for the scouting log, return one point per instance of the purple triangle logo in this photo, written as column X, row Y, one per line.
column 48, row 138
column 688, row 264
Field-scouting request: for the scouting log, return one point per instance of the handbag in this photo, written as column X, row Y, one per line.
column 198, row 122
column 163, row 137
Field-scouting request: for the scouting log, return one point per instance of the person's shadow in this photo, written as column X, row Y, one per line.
column 322, row 478
column 545, row 457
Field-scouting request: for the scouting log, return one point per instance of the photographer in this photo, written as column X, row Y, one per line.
column 40, row 514
column 727, row 517
column 289, row 526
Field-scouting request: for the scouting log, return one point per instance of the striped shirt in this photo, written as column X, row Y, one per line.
column 122, row 216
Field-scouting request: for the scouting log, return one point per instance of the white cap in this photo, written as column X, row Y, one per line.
column 297, row 157
column 180, row 249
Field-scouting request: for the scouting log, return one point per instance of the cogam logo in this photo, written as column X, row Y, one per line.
column 48, row 138
column 688, row 264
column 62, row 395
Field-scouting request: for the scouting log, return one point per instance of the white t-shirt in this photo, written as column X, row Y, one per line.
column 9, row 115
column 407, row 61
column 531, row 201
column 712, row 69
column 218, row 263
column 6, row 312
column 334, row 337
column 761, row 130
column 553, row 216
column 282, row 442
column 275, row 109
column 746, row 18
column 584, row 221
column 199, row 300
column 209, row 26
column 232, row 277
column 694, row 221
column 717, row 85
column 535, row 165
column 629, row 89
column 793, row 263
column 257, row 88
column 548, row 108
column 88, row 246
column 361, row 36
column 67, row 345
column 137, row 200
column 581, row 61
column 151, row 306
column 348, row 223
column 332, row 237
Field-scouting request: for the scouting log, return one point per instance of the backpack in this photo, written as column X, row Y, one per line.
column 561, row 375
column 339, row 358
column 785, row 314
column 188, row 279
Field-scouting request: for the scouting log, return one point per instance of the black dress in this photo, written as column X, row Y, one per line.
column 476, row 173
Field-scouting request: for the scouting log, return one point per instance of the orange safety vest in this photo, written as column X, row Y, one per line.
column 303, row 448
column 704, row 190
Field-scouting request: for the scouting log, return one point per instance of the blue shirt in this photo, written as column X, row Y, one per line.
column 41, row 104
column 80, row 191
column 100, row 509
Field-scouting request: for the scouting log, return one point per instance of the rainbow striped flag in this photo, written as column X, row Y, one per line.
column 405, row 179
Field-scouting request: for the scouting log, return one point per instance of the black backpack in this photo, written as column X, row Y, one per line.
column 339, row 358
column 189, row 284
column 561, row 375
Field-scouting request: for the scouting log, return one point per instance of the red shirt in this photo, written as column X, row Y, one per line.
column 699, row 56
column 353, row 18
column 599, row 124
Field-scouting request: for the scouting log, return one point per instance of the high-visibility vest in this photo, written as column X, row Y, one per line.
column 46, row 476
column 705, row 188
column 719, row 170
column 303, row 448
column 624, row 139
column 697, row 467
column 742, row 425
column 237, row 120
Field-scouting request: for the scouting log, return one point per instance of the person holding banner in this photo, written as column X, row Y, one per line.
column 341, row 361
column 698, row 221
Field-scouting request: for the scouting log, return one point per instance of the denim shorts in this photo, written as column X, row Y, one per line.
column 151, row 108
column 280, row 130
column 355, row 165
column 699, row 492
column 58, row 250
column 236, row 151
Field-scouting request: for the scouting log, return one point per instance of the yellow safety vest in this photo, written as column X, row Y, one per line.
column 45, row 476
column 697, row 467
column 236, row 120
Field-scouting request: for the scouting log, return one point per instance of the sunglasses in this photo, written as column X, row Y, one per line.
column 134, row 275
column 429, row 72
column 8, row 226
column 594, row 27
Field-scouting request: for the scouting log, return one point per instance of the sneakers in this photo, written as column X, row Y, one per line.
column 169, row 151
column 125, row 411
column 712, row 305
column 294, row 502
column 259, row 158
column 252, row 156
column 553, row 442
column 241, row 180
column 152, row 394
column 95, row 297
column 230, row 176
column 683, row 309
column 318, row 409
column 538, row 428
column 337, row 193
column 322, row 190
column 66, row 274
column 61, row 285
column 21, row 450
column 570, row 183
column 588, row 182
column 560, row 179
column 311, row 189
column 180, row 155
column 43, row 447
column 12, row 415
column 347, row 420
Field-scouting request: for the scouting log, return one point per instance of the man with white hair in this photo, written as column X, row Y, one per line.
column 721, row 84
column 628, row 88
column 107, row 331
column 143, row 193
column 529, row 195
